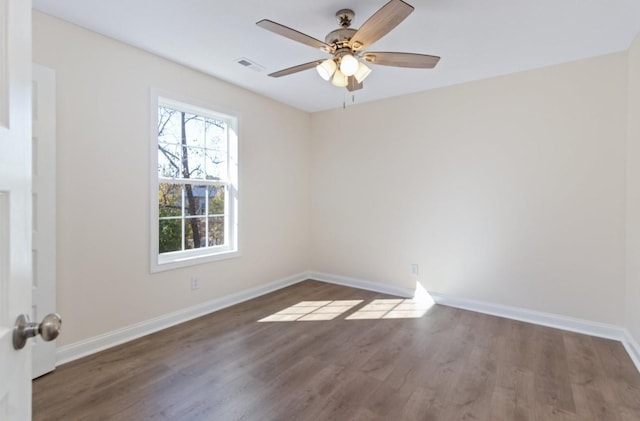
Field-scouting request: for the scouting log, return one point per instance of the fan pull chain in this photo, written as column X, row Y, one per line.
column 344, row 101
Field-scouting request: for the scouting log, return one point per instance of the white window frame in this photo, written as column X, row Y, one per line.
column 184, row 258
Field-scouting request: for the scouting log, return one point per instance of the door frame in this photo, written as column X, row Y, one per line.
column 44, row 211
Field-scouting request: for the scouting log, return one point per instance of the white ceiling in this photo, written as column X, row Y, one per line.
column 476, row 39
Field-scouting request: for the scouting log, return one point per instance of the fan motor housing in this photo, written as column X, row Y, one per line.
column 340, row 37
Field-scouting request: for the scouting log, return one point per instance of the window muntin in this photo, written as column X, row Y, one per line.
column 196, row 185
column 189, row 215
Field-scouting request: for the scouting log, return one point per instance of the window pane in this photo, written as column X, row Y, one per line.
column 195, row 200
column 170, row 235
column 194, row 162
column 169, row 130
column 195, row 235
column 169, row 160
column 216, row 135
column 216, row 164
column 170, row 199
column 194, row 130
column 216, row 200
column 216, row 231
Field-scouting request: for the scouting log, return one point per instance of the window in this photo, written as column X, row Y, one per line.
column 195, row 193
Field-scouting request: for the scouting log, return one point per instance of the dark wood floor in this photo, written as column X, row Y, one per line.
column 371, row 364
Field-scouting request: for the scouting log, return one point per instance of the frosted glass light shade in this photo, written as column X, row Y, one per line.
column 326, row 68
column 339, row 79
column 349, row 65
column 362, row 72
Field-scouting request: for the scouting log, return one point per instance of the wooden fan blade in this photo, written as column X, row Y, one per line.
column 296, row 69
column 380, row 24
column 294, row 35
column 418, row 61
column 353, row 84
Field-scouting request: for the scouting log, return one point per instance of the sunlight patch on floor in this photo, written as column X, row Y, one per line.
column 312, row 311
column 383, row 308
column 391, row 309
column 396, row 308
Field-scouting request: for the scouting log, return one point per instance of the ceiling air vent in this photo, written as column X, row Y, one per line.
column 245, row 62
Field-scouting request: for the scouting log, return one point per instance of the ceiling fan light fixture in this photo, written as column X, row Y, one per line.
column 349, row 65
column 340, row 79
column 327, row 68
column 349, row 47
column 362, row 72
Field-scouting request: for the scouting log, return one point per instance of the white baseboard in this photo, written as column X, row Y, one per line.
column 632, row 347
column 601, row 330
column 98, row 343
column 361, row 284
column 571, row 324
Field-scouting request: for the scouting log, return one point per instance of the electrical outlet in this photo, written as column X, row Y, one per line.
column 195, row 282
column 413, row 269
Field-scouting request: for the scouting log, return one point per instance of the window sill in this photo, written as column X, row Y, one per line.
column 161, row 265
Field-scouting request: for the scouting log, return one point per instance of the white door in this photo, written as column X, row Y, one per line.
column 15, row 204
column 44, row 212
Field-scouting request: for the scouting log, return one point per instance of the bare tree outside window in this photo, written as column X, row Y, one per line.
column 192, row 171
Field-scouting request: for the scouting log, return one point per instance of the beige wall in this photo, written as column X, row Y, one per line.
column 103, row 135
column 508, row 190
column 633, row 194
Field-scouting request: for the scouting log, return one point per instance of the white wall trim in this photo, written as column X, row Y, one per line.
column 107, row 340
column 98, row 343
column 362, row 284
column 601, row 330
column 632, row 347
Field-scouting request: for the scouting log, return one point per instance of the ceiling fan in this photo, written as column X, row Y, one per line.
column 346, row 67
